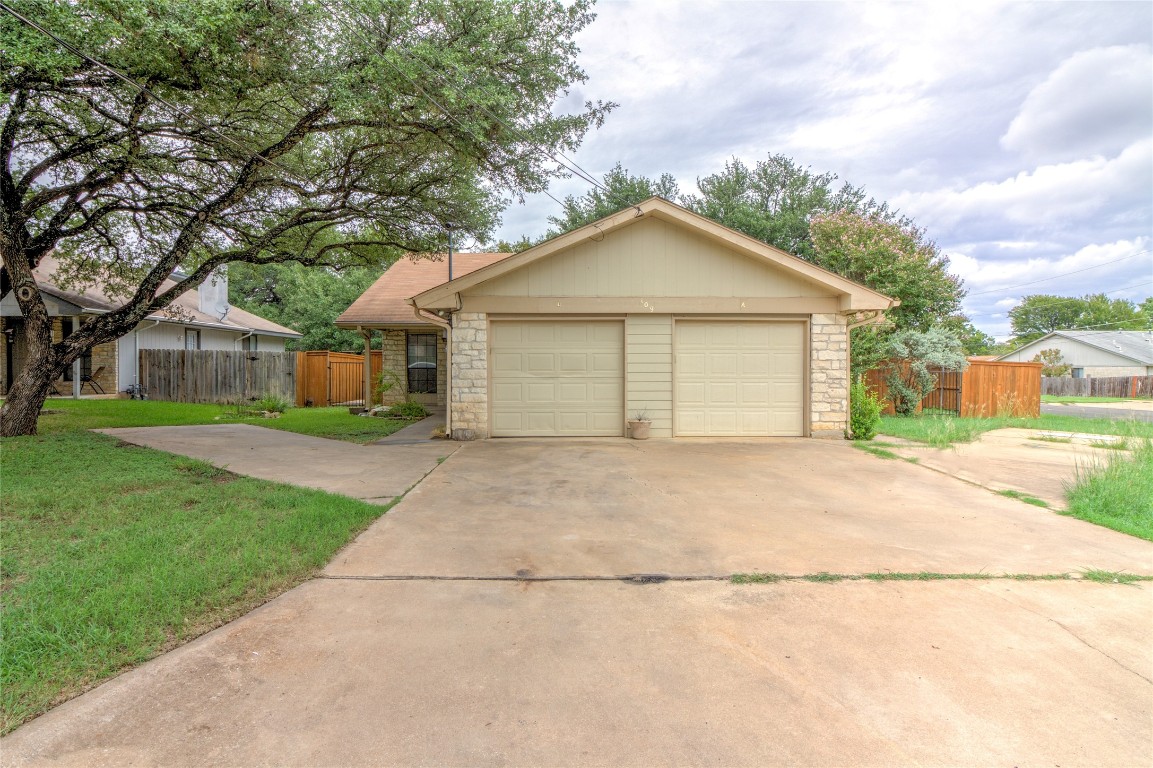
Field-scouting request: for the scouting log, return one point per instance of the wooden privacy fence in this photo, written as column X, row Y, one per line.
column 216, row 376
column 332, row 378
column 985, row 388
column 1105, row 386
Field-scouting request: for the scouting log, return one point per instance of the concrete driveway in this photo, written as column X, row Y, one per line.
column 481, row 623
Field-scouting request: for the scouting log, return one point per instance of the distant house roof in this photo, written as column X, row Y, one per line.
column 186, row 309
column 1135, row 345
column 385, row 303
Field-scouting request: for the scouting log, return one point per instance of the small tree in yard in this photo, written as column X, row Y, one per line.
column 1052, row 363
column 331, row 135
column 911, row 356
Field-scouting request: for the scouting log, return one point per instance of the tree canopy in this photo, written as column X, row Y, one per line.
column 809, row 215
column 324, row 132
column 306, row 299
column 1040, row 314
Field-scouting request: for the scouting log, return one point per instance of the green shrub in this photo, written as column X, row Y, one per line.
column 272, row 404
column 407, row 410
column 864, row 412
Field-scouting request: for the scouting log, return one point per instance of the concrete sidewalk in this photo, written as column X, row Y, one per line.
column 1039, row 463
column 372, row 473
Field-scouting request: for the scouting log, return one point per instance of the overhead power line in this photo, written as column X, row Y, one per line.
column 1063, row 274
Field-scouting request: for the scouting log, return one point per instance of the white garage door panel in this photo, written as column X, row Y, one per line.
column 553, row 378
column 740, row 378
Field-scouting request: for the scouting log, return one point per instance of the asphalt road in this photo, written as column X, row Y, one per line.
column 1094, row 412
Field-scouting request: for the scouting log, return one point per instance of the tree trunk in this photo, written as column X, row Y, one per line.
column 25, row 399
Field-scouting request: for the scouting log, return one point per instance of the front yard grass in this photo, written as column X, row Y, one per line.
column 112, row 554
column 1117, row 493
column 65, row 415
column 941, row 430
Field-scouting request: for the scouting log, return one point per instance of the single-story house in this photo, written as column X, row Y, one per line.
column 412, row 346
column 1094, row 353
column 198, row 319
column 652, row 310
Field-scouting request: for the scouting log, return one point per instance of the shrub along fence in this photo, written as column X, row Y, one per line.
column 332, row 378
column 985, row 388
column 216, row 376
column 1105, row 386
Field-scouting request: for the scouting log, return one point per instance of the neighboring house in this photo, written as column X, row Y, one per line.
column 199, row 319
column 1095, row 353
column 654, row 309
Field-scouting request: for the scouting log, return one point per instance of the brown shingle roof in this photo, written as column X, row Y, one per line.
column 186, row 308
column 386, row 300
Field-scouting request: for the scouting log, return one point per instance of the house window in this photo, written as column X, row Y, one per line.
column 1078, row 373
column 422, row 363
column 67, row 326
column 248, row 343
column 191, row 339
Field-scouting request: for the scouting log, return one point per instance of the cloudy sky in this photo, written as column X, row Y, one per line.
column 1020, row 135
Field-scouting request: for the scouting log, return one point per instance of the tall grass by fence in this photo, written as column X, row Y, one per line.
column 216, row 376
column 985, row 388
column 1105, row 386
column 332, row 378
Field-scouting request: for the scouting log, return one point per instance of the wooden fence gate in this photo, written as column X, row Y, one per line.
column 216, row 376
column 332, row 378
column 985, row 388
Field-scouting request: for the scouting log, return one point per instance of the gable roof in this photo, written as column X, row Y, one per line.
column 854, row 295
column 386, row 302
column 94, row 300
column 1134, row 345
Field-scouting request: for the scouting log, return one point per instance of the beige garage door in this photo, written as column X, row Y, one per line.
column 553, row 378
column 740, row 378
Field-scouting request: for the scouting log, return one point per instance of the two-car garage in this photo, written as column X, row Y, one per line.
column 552, row 377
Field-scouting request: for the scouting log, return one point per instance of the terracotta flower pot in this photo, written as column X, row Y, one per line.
column 639, row 430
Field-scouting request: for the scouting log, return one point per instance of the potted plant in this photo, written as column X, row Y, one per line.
column 639, row 425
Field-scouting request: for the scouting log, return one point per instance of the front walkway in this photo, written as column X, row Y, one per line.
column 376, row 474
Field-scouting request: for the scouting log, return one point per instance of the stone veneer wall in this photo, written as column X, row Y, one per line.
column 394, row 357
column 470, row 376
column 829, row 375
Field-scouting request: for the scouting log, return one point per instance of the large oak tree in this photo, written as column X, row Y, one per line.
column 326, row 132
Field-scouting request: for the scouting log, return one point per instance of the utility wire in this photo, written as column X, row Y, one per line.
column 1064, row 274
column 143, row 89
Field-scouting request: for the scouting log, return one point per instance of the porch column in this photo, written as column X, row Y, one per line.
column 77, row 385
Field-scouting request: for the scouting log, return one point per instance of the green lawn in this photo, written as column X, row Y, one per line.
column 65, row 415
column 112, row 554
column 942, row 430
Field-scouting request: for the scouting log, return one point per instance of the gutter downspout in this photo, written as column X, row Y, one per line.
column 367, row 335
column 240, row 339
column 447, row 325
column 136, row 354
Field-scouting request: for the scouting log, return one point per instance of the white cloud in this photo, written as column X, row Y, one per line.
column 1035, row 199
column 1095, row 103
